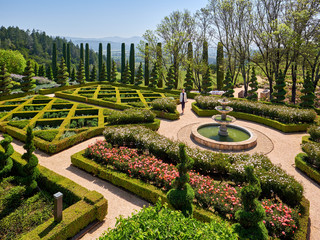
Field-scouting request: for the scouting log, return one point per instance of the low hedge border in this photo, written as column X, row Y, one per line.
column 305, row 167
column 152, row 194
column 86, row 206
column 165, row 115
column 246, row 116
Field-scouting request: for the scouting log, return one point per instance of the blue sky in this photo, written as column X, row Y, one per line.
column 94, row 19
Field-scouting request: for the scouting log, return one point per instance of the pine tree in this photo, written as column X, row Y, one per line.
column 132, row 63
column 93, row 75
column 146, row 65
column 54, row 61
column 205, row 56
column 113, row 77
column 206, row 81
column 35, row 69
column 139, row 77
column 81, row 52
column 30, row 170
column 253, row 84
column 170, row 78
column 126, row 76
column 279, row 91
column 64, row 51
column 62, row 76
column 307, row 100
column 220, row 66
column 49, row 73
column 68, row 59
column 5, row 80
column 159, row 64
column 123, row 59
column 81, row 73
column 103, row 74
column 154, row 76
column 41, row 71
column 228, row 86
column 109, row 62
column 27, row 83
column 6, row 162
column 188, row 81
column 100, row 62
column 73, row 74
column 86, row 63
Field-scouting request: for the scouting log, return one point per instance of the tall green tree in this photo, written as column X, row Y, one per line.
column 253, row 84
column 27, row 83
column 36, row 69
column 109, row 62
column 81, row 73
column 279, row 91
column 93, row 75
column 188, row 81
column 170, row 78
column 123, row 59
column 307, row 100
column 62, row 75
column 220, row 66
column 73, row 74
column 139, row 77
column 100, row 62
column 206, row 81
column 41, row 71
column 228, row 85
column 146, row 65
column 113, row 77
column 68, row 59
column 54, row 60
column 126, row 76
column 64, row 51
column 103, row 75
column 190, row 53
column 49, row 73
column 5, row 81
column 159, row 64
column 86, row 63
column 132, row 63
column 6, row 162
column 81, row 52
column 14, row 60
column 154, row 76
column 205, row 55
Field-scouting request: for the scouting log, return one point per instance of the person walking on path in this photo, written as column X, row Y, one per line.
column 183, row 100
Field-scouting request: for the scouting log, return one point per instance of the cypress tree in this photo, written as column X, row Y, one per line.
column 27, row 83
column 73, row 74
column 170, row 78
column 5, row 80
column 64, row 51
column 35, row 69
column 103, row 74
column 109, row 62
column 253, row 84
column 49, row 73
column 139, row 77
column 41, row 71
column 126, row 76
column 154, row 76
column 113, row 77
column 206, row 81
column 146, row 65
column 93, row 75
column 81, row 73
column 279, row 91
column 62, row 76
column 205, row 56
column 6, row 162
column 190, row 53
column 68, row 59
column 220, row 66
column 123, row 59
column 307, row 100
column 228, row 86
column 86, row 63
column 188, row 81
column 54, row 61
column 132, row 63
column 159, row 64
column 100, row 61
column 81, row 52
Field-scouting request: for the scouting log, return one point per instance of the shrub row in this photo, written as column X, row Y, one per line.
column 130, row 116
column 164, row 104
column 273, row 178
column 282, row 114
column 312, row 149
column 301, row 162
column 314, row 132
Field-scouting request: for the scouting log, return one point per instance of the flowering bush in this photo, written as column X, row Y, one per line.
column 314, row 132
column 164, row 104
column 313, row 152
column 219, row 196
column 282, row 114
column 130, row 116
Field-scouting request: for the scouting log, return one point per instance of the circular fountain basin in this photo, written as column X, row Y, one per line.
column 239, row 138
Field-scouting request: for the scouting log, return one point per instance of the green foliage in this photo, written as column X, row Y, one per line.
column 14, row 61
column 54, row 61
column 182, row 194
column 251, row 217
column 123, row 59
column 67, row 134
column 130, row 116
column 279, row 89
column 132, row 63
column 73, row 74
column 205, row 55
column 146, row 65
column 47, row 135
column 313, row 151
column 35, row 69
column 206, row 81
column 154, row 76
column 113, row 77
column 228, row 86
column 189, row 79
column 5, row 160
column 68, row 59
column 253, row 84
column 49, row 73
column 220, row 66
column 109, row 62
column 139, row 77
column 307, row 100
column 164, row 105
column 163, row 223
column 86, row 62
column 62, row 74
column 159, row 64
column 19, row 124
column 81, row 52
column 84, row 122
column 170, row 78
column 93, row 75
column 81, row 73
column 314, row 132
column 100, row 62
column 301, row 162
column 27, row 83
column 103, row 73
column 5, row 79
column 41, row 72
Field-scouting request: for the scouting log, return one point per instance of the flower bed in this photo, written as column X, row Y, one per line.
column 222, row 197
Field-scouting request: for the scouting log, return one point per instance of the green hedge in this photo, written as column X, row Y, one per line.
column 75, row 217
column 246, row 116
column 165, row 115
column 305, row 167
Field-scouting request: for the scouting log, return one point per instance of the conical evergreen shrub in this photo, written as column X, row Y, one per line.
column 307, row 100
column 228, row 86
column 279, row 91
column 253, row 84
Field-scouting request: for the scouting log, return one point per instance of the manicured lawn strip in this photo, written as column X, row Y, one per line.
column 251, row 117
column 307, row 168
